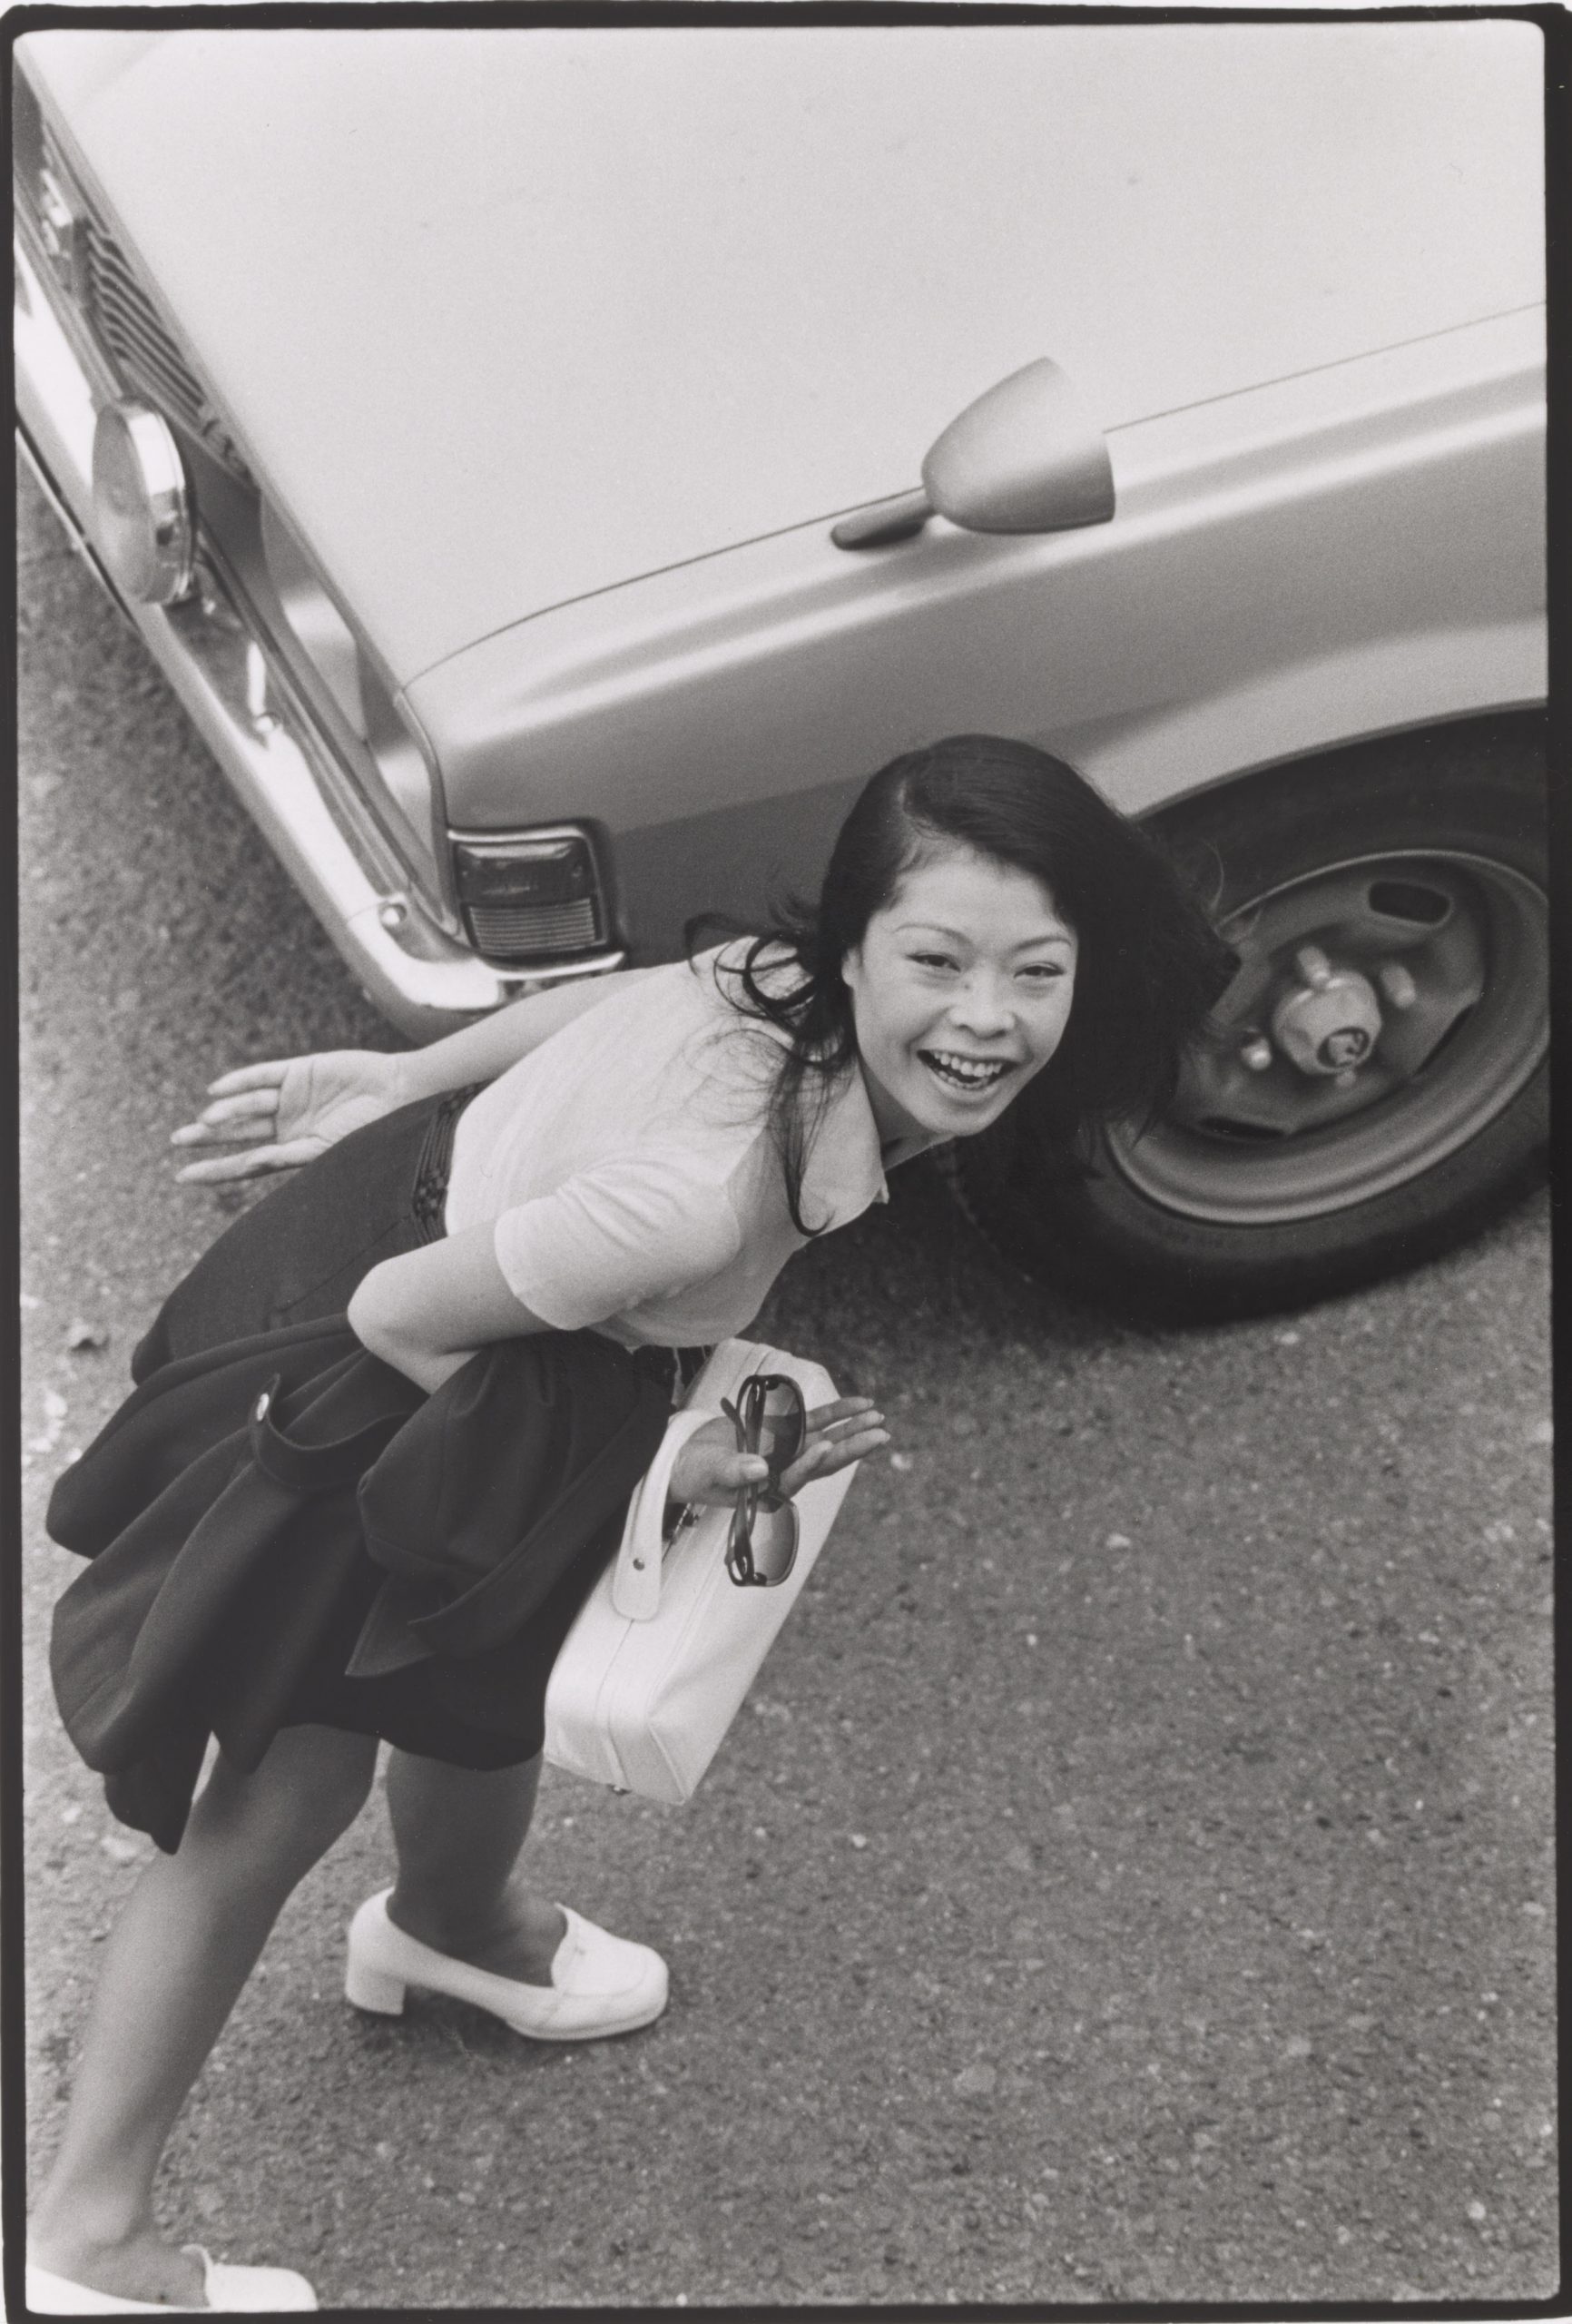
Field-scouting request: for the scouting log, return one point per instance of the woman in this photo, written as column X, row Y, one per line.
column 645, row 1153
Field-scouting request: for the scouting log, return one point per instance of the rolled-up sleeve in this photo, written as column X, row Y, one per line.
column 631, row 1229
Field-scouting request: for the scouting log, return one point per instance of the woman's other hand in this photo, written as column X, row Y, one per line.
column 285, row 1113
column 710, row 1470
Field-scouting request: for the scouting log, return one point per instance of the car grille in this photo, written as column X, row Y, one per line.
column 534, row 931
column 141, row 350
column 113, row 305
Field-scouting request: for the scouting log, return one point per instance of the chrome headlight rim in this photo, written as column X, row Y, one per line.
column 144, row 507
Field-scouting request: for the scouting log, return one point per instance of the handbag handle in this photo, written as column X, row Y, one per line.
column 636, row 1576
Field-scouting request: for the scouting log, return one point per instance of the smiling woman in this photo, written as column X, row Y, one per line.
column 532, row 1224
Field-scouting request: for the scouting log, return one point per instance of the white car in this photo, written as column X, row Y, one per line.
column 509, row 443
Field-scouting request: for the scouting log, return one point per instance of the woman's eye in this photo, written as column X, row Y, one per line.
column 1043, row 972
column 933, row 960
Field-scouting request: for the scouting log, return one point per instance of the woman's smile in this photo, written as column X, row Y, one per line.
column 968, row 1073
column 960, row 991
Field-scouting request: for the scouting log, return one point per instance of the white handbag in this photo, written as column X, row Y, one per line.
column 665, row 1648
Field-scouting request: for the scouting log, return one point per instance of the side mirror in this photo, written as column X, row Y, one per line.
column 1023, row 459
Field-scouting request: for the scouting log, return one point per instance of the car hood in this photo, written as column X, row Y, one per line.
column 506, row 317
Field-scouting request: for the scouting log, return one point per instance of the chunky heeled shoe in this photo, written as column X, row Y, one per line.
column 599, row 1985
column 229, row 2291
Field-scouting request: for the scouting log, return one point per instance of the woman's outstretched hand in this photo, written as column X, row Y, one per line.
column 286, row 1112
column 710, row 1470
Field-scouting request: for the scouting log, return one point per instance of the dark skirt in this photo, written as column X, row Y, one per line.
column 298, row 1256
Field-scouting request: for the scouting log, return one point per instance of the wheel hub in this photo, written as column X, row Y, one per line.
column 1384, row 1009
column 1330, row 1021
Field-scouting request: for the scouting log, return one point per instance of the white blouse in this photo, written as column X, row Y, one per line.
column 628, row 1166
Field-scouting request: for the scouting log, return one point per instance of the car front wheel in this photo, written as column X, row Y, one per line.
column 1376, row 1087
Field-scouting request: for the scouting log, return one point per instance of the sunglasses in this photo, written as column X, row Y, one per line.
column 770, row 1421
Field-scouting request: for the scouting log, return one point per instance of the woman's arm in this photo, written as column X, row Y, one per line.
column 292, row 1107
column 634, row 1227
column 484, row 1050
column 427, row 1311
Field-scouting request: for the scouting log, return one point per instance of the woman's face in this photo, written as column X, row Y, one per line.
column 960, row 991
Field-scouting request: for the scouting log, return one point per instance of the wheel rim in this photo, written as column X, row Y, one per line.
column 1463, row 943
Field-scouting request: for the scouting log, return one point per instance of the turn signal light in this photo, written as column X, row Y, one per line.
column 530, row 899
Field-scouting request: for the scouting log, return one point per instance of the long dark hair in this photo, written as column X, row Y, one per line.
column 1149, row 964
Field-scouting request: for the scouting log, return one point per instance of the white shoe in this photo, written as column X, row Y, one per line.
column 599, row 1983
column 231, row 2292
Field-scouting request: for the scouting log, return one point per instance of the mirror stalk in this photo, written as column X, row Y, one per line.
column 899, row 519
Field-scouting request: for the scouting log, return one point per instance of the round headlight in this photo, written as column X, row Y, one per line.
column 143, row 514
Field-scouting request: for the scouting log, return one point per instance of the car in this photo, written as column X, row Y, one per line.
column 507, row 441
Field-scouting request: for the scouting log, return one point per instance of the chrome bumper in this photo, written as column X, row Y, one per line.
column 249, row 712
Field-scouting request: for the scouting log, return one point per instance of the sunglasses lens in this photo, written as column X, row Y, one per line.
column 782, row 1424
column 772, row 1544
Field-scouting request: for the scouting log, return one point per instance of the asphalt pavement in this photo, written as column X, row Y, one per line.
column 1132, row 1877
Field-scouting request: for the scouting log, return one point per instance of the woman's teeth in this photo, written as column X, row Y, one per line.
column 963, row 1072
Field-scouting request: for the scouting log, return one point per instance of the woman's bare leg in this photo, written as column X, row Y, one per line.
column 185, row 1944
column 458, row 1833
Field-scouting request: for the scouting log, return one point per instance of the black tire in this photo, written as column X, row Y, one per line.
column 1162, row 1228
